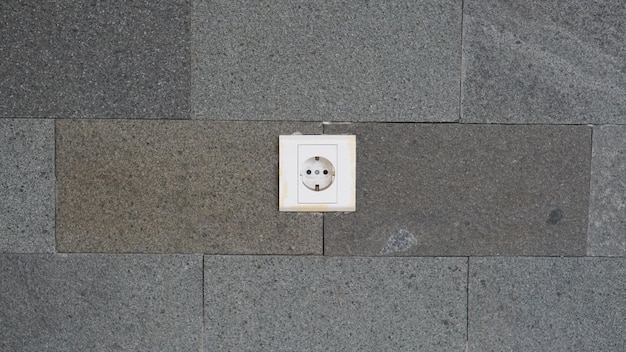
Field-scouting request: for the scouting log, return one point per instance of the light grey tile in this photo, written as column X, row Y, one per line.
column 547, row 304
column 84, row 302
column 319, row 61
column 95, row 59
column 335, row 304
column 460, row 189
column 177, row 187
column 607, row 211
column 26, row 186
column 544, row 62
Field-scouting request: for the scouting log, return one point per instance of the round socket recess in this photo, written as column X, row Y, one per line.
column 317, row 173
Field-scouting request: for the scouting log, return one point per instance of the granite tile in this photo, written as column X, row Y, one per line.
column 544, row 62
column 95, row 59
column 83, row 302
column 176, row 187
column 547, row 304
column 607, row 209
column 460, row 189
column 322, row 61
column 335, row 304
column 26, row 186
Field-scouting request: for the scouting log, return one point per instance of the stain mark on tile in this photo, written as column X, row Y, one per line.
column 555, row 216
column 399, row 242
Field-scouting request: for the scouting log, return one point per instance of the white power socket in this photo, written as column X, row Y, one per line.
column 317, row 173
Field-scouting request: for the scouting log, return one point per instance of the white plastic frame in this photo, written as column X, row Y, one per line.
column 294, row 196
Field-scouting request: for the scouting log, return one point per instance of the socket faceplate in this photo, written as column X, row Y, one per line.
column 335, row 191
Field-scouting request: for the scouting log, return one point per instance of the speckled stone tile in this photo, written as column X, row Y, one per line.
column 607, row 211
column 547, row 304
column 320, row 61
column 544, row 62
column 334, row 304
column 95, row 59
column 26, row 186
column 176, row 187
column 82, row 302
column 460, row 189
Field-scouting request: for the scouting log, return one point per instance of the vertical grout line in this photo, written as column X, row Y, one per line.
column 467, row 294
column 190, row 52
column 323, row 234
column 55, row 187
column 461, row 73
column 203, row 325
column 323, row 214
column 589, row 192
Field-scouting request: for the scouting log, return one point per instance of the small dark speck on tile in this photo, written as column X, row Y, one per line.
column 555, row 216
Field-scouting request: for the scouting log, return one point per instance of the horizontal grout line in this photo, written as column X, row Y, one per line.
column 308, row 255
column 99, row 254
column 325, row 123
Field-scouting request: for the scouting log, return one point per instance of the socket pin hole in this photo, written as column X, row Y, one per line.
column 308, row 172
column 325, row 172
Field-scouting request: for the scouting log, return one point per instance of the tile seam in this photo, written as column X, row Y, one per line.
column 315, row 255
column 467, row 308
column 461, row 71
column 56, row 181
column 323, row 235
column 323, row 214
column 190, row 52
column 203, row 325
column 98, row 118
column 589, row 193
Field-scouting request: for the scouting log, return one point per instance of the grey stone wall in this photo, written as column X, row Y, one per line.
column 138, row 175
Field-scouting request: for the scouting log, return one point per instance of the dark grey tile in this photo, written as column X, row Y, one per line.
column 335, row 304
column 176, row 187
column 319, row 61
column 95, row 59
column 26, row 186
column 84, row 302
column 607, row 209
column 544, row 62
column 547, row 304
column 455, row 189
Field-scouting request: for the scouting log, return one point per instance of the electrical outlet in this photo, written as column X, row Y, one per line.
column 317, row 173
